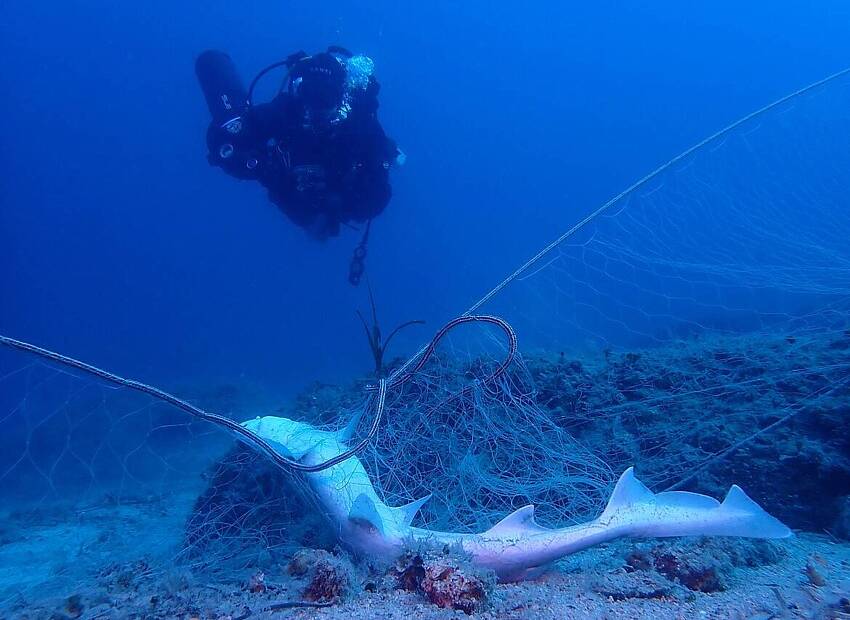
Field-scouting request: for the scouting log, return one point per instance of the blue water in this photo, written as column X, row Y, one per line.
column 120, row 245
column 706, row 307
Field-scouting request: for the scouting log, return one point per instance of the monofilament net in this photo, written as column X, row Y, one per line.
column 700, row 309
column 686, row 328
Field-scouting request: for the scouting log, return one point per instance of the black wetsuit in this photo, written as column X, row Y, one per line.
column 320, row 174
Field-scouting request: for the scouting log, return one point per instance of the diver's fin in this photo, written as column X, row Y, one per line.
column 363, row 510
column 406, row 513
column 520, row 521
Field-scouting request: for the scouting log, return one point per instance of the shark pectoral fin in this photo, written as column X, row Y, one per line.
column 520, row 521
column 345, row 434
column 259, row 427
column 363, row 510
column 282, row 450
column 289, row 438
column 406, row 513
column 753, row 520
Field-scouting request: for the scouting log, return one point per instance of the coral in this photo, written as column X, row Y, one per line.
column 301, row 562
column 410, row 571
column 257, row 583
column 377, row 343
column 446, row 581
column 330, row 578
column 448, row 587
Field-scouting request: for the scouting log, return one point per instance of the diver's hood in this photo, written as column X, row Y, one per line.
column 318, row 82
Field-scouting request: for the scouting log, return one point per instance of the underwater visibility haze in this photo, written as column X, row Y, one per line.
column 598, row 363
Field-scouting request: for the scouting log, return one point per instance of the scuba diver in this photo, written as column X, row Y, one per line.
column 317, row 147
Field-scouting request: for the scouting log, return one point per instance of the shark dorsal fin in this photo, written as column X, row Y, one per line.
column 405, row 514
column 736, row 499
column 627, row 492
column 520, row 521
column 363, row 510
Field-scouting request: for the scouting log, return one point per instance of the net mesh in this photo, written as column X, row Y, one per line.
column 699, row 323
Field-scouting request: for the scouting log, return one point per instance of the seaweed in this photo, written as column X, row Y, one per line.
column 377, row 343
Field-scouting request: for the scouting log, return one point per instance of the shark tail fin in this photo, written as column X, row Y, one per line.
column 637, row 511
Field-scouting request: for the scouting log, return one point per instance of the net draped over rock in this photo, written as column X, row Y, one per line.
column 697, row 327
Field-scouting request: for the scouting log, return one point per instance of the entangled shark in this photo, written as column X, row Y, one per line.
column 516, row 547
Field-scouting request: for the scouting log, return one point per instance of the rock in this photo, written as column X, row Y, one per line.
column 74, row 606
column 448, row 587
column 842, row 521
column 251, row 507
column 698, row 576
column 622, row 587
column 815, row 571
column 702, row 564
column 330, row 578
column 446, row 581
column 410, row 571
column 257, row 583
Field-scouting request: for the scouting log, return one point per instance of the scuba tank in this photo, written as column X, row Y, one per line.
column 223, row 89
column 228, row 145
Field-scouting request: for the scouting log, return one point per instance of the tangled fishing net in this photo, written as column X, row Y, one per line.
column 696, row 326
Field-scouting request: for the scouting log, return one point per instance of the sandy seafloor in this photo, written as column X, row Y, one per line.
column 94, row 569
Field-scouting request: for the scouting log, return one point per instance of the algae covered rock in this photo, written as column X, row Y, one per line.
column 252, row 513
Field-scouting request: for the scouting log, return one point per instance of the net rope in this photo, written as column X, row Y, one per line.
column 696, row 325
